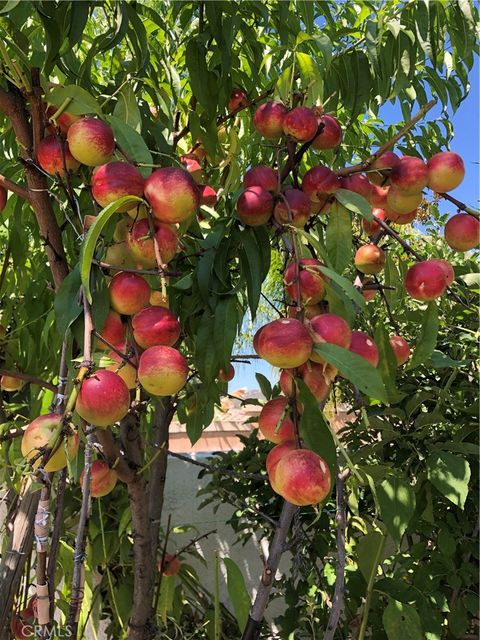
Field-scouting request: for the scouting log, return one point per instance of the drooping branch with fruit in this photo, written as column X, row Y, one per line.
column 156, row 238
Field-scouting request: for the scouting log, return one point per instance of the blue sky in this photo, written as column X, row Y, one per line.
column 466, row 141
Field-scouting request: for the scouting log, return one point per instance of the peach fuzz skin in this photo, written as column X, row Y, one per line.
column 103, row 399
column 284, row 343
column 91, row 141
column 274, row 421
column 155, row 326
column 102, row 479
column 173, row 194
column 115, row 180
column 162, row 371
column 302, row 478
column 37, row 436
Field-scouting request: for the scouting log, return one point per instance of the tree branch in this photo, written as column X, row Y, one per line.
column 27, row 378
column 339, row 594
column 460, row 205
column 9, row 185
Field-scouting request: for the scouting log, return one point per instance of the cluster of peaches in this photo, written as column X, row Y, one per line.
column 394, row 190
column 138, row 323
column 393, row 187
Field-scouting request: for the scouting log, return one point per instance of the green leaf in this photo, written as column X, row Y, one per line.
column 314, row 428
column 68, row 305
column 387, row 364
column 225, row 329
column 250, row 260
column 90, row 241
column 355, row 368
column 369, row 552
column 428, row 337
column 81, row 101
column 127, row 109
column 311, row 78
column 205, row 353
column 165, row 601
column 284, row 83
column 397, row 505
column 237, row 592
column 202, row 81
column 338, row 240
column 402, row 621
column 132, row 143
column 354, row 202
column 450, row 474
column 264, row 384
column 100, row 299
column 441, row 360
column 346, row 286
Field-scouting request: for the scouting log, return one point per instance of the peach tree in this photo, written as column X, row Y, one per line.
column 176, row 177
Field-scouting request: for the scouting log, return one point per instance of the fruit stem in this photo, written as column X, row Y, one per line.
column 60, row 110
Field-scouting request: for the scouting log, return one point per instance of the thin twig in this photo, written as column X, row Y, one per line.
column 339, row 593
column 14, row 188
column 27, row 378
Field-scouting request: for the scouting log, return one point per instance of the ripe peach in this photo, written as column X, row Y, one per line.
column 113, row 330
column 162, row 371
column 139, row 242
column 171, row 565
column 91, row 141
column 38, row 435
column 284, row 343
column 3, row 198
column 193, row 166
column 447, row 269
column 273, row 457
column 358, row 184
column 302, row 477
column 268, row 120
column 310, row 279
column 363, row 345
column 410, row 175
column 426, row 280
column 103, row 399
column 53, row 155
column 115, row 180
column 331, row 135
column 312, row 375
column 9, row 383
column 155, row 325
column 238, row 98
column 226, row 376
column 124, row 369
column 102, row 479
column 462, row 232
column 274, row 421
column 400, row 202
column 261, row 176
column 371, row 227
column 401, row 349
column 387, row 160
column 129, row 292
column 299, row 205
column 378, row 196
column 370, row 259
column 329, row 328
column 173, row 194
column 255, row 206
column 301, row 124
column 445, row 171
column 318, row 182
column 208, row 195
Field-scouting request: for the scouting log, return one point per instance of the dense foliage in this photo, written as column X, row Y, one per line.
column 161, row 75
